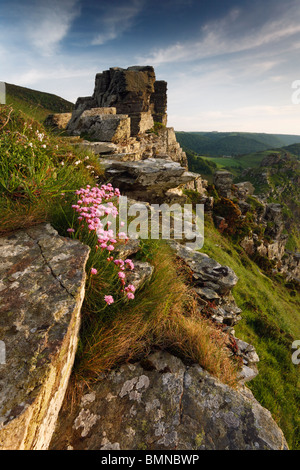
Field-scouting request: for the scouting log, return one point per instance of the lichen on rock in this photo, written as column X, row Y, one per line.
column 43, row 280
column 168, row 406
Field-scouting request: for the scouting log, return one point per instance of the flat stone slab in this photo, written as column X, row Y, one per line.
column 152, row 177
column 99, row 147
column 42, row 281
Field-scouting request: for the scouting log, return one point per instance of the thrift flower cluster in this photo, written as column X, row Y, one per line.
column 93, row 205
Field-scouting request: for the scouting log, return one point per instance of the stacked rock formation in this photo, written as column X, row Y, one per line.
column 133, row 91
column 124, row 122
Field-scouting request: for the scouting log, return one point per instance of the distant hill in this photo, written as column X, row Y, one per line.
column 294, row 149
column 218, row 144
column 36, row 104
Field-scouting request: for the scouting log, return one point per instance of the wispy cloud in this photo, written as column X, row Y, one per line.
column 227, row 36
column 36, row 26
column 116, row 20
column 49, row 23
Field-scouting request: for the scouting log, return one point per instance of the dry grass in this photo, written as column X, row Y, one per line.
column 20, row 216
column 164, row 315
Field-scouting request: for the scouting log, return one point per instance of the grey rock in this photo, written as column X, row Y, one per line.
column 148, row 179
column 207, row 270
column 142, row 273
column 132, row 91
column 223, row 183
column 104, row 127
column 98, row 147
column 58, row 121
column 42, row 290
column 166, row 405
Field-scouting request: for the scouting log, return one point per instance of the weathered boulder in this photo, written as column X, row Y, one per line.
column 58, row 121
column 141, row 122
column 244, row 189
column 141, row 274
column 98, row 148
column 41, row 292
column 207, row 271
column 162, row 404
column 103, row 127
column 223, row 183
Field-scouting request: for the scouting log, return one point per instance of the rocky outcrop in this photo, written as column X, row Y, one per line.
column 41, row 293
column 149, row 179
column 58, row 121
column 223, row 182
column 105, row 127
column 267, row 218
column 212, row 284
column 159, row 144
column 162, row 404
column 132, row 99
column 124, row 123
column 133, row 91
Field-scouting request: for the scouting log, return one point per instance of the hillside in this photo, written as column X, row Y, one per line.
column 231, row 307
column 294, row 149
column 277, row 178
column 217, row 144
column 36, row 104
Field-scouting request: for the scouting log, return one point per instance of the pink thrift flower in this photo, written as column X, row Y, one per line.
column 130, row 264
column 109, row 299
column 122, row 235
column 121, row 275
column 94, row 271
column 130, row 288
column 130, row 295
column 110, row 248
column 70, row 230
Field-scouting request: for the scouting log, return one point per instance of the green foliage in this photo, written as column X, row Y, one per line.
column 270, row 321
column 216, row 144
column 156, row 128
column 37, row 171
column 200, row 165
column 36, row 104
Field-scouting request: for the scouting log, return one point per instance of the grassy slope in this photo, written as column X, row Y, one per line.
column 270, row 314
column 232, row 143
column 35, row 104
column 250, row 160
column 271, row 323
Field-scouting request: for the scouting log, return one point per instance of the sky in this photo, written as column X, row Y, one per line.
column 231, row 65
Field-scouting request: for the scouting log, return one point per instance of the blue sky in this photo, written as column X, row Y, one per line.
column 229, row 64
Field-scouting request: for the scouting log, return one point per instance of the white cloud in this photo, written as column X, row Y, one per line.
column 117, row 20
column 47, row 23
column 225, row 36
column 244, row 119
